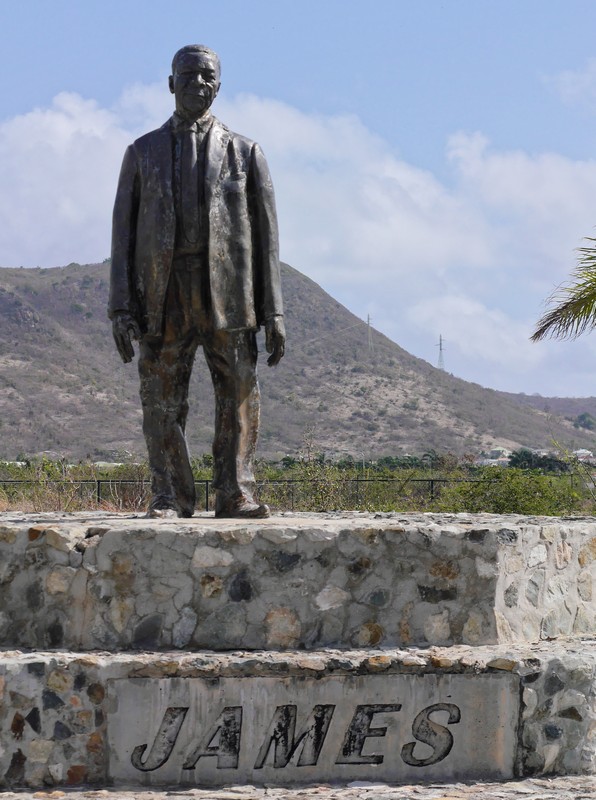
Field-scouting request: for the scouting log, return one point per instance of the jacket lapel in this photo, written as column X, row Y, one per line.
column 163, row 156
column 217, row 142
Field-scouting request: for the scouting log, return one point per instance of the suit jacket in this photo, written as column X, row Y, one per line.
column 243, row 249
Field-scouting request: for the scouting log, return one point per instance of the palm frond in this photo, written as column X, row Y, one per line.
column 575, row 309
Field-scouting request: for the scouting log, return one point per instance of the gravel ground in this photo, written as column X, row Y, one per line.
column 575, row 787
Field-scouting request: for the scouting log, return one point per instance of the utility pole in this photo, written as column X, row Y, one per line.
column 369, row 335
column 441, row 363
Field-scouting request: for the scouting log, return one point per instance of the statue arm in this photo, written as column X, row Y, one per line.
column 124, row 222
column 268, row 257
column 122, row 306
column 275, row 339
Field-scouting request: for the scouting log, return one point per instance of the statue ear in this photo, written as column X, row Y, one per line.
column 171, row 84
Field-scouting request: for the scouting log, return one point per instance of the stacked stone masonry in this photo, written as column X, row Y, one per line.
column 55, row 708
column 117, row 582
column 300, row 649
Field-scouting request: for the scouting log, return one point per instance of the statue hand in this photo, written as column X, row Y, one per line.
column 275, row 340
column 124, row 329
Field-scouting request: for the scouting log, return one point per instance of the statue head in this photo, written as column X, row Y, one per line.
column 194, row 80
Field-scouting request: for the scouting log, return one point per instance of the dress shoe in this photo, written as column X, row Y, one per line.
column 243, row 509
column 161, row 513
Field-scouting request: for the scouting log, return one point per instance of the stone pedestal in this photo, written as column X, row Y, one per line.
column 389, row 647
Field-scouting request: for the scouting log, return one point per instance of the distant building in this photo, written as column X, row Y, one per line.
column 583, row 455
column 496, row 457
column 498, row 453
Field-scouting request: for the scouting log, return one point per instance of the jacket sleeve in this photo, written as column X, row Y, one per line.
column 268, row 299
column 124, row 222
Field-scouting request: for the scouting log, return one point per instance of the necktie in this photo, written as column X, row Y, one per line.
column 189, row 186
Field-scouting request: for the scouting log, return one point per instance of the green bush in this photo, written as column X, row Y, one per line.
column 512, row 491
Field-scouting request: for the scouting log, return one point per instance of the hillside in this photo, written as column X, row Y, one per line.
column 567, row 407
column 64, row 389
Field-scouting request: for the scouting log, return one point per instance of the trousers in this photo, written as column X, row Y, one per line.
column 165, row 366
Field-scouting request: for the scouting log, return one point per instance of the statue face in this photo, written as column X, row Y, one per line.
column 195, row 84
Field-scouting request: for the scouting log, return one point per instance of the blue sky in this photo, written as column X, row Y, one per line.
column 433, row 161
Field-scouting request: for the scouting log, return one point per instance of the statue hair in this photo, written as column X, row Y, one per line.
column 195, row 48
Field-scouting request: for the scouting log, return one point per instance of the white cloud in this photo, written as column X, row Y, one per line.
column 479, row 333
column 472, row 259
column 143, row 107
column 577, row 87
column 544, row 199
column 57, row 172
column 340, row 183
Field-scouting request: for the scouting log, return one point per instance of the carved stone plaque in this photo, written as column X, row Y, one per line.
column 395, row 728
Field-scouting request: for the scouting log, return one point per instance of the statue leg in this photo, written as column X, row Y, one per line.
column 232, row 360
column 164, row 370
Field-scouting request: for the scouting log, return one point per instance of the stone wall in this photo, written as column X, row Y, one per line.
column 494, row 617
column 345, row 580
column 60, row 720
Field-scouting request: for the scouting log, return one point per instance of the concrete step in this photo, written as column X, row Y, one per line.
column 117, row 581
column 399, row 716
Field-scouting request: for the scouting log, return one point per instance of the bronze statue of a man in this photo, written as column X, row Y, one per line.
column 195, row 261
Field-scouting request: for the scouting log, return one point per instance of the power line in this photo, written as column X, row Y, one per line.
column 318, row 339
column 371, row 335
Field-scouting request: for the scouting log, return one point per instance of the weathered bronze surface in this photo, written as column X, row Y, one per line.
column 195, row 261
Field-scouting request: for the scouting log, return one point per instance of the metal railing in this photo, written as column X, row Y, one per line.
column 283, row 494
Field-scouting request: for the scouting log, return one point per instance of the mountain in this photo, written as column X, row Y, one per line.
column 346, row 389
